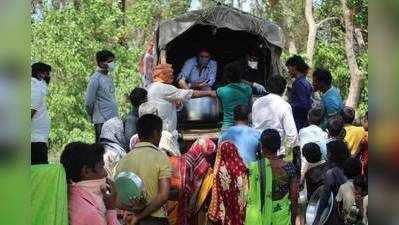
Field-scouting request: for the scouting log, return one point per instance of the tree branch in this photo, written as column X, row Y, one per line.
column 309, row 12
column 326, row 20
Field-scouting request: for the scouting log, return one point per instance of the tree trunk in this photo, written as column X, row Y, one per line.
column 356, row 75
column 36, row 4
column 312, row 30
column 240, row 4
column 292, row 49
column 286, row 19
column 122, row 5
column 359, row 39
column 62, row 4
column 258, row 9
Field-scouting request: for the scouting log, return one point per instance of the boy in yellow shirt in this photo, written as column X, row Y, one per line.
column 354, row 134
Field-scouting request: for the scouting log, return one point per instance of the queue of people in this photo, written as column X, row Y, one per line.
column 251, row 175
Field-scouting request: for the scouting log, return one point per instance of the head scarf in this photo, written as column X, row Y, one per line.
column 147, row 108
column 228, row 201
column 113, row 138
column 113, row 131
column 163, row 73
column 189, row 171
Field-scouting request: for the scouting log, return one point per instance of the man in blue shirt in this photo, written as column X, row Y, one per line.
column 300, row 97
column 100, row 100
column 198, row 72
column 331, row 98
column 244, row 137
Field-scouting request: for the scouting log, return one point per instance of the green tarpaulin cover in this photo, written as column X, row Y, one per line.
column 49, row 195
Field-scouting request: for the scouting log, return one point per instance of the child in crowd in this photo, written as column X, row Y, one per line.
column 354, row 134
column 337, row 154
column 313, row 134
column 349, row 210
column 314, row 176
column 361, row 196
column 137, row 97
column 92, row 198
column 335, row 129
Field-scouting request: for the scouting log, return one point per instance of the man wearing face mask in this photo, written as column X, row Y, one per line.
column 40, row 127
column 100, row 94
column 198, row 73
column 92, row 198
column 253, row 72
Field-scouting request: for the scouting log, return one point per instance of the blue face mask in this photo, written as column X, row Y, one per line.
column 203, row 61
column 111, row 66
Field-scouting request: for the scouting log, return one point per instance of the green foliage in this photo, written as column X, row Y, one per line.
column 68, row 40
column 175, row 7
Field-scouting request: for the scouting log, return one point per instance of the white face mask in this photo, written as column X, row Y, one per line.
column 253, row 64
column 111, row 66
column 44, row 85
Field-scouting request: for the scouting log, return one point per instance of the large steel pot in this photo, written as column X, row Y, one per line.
column 313, row 204
column 202, row 109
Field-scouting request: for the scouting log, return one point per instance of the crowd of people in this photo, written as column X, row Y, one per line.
column 269, row 152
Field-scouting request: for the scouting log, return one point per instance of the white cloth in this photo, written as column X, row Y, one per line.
column 164, row 97
column 169, row 142
column 365, row 209
column 315, row 134
column 133, row 141
column 40, row 127
column 346, row 195
column 273, row 112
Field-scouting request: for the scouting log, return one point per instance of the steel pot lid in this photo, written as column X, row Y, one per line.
column 129, row 186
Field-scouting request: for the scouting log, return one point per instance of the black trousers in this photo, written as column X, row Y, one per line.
column 97, row 129
column 38, row 153
column 296, row 159
column 150, row 220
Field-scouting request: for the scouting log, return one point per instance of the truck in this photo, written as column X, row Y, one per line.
column 227, row 32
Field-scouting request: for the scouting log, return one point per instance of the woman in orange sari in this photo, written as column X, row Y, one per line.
column 192, row 177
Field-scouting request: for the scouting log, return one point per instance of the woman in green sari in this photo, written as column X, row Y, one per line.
column 273, row 186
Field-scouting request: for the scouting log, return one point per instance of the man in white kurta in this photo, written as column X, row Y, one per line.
column 166, row 97
column 273, row 112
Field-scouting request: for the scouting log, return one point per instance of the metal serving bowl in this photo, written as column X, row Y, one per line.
column 130, row 186
column 202, row 109
column 313, row 204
